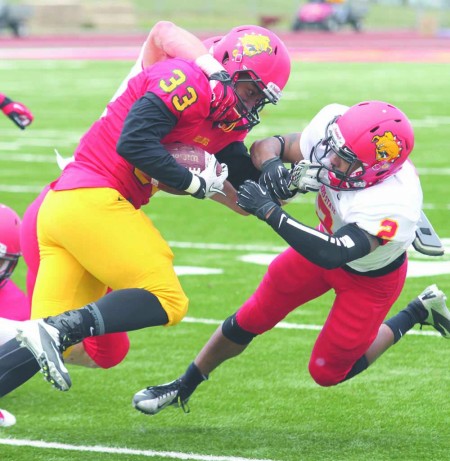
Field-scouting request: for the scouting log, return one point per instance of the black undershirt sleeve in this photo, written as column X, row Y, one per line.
column 327, row 251
column 240, row 165
column 146, row 124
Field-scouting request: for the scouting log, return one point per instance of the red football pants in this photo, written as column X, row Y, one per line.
column 359, row 308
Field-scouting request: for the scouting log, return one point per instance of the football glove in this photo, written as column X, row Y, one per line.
column 275, row 177
column 304, row 177
column 255, row 199
column 210, row 181
column 17, row 112
column 223, row 97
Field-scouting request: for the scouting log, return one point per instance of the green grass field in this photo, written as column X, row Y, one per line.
column 262, row 405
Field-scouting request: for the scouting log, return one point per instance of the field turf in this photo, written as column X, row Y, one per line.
column 262, row 405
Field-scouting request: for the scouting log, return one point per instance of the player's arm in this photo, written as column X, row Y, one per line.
column 270, row 155
column 148, row 121
column 328, row 251
column 240, row 168
column 166, row 40
column 286, row 148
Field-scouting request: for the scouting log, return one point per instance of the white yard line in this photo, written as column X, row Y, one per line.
column 121, row 451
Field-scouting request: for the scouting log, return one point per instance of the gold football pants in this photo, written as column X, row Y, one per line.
column 93, row 238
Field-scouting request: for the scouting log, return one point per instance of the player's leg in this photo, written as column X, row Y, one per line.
column 128, row 252
column 7, row 330
column 360, row 306
column 290, row 281
column 429, row 308
column 62, row 283
column 103, row 351
column 17, row 365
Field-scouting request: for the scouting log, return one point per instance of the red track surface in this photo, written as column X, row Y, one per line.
column 306, row 46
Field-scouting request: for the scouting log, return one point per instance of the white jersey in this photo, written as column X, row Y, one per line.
column 390, row 209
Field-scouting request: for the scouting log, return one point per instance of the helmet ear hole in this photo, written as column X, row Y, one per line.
column 225, row 58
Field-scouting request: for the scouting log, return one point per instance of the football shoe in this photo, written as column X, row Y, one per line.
column 433, row 300
column 42, row 340
column 153, row 399
column 6, row 418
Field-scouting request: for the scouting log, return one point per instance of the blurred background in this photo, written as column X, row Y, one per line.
column 37, row 17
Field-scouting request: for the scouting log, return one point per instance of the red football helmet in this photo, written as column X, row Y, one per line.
column 9, row 242
column 255, row 54
column 375, row 138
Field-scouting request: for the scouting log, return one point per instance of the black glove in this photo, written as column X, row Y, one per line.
column 255, row 199
column 276, row 178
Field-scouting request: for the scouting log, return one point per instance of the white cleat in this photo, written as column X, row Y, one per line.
column 6, row 418
column 433, row 301
column 153, row 399
column 42, row 340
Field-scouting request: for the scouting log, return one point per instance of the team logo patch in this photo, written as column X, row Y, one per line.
column 252, row 45
column 388, row 147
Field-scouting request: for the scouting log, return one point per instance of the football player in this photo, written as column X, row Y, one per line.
column 94, row 208
column 368, row 204
column 14, row 304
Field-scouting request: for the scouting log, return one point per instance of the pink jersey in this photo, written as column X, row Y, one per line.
column 14, row 304
column 185, row 90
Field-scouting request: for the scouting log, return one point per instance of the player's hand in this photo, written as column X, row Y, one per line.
column 275, row 177
column 211, row 182
column 17, row 112
column 255, row 199
column 224, row 99
column 304, row 177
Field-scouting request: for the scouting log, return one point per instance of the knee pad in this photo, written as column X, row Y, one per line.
column 232, row 331
column 108, row 350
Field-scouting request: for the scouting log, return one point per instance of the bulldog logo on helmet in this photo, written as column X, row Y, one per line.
column 388, row 147
column 253, row 44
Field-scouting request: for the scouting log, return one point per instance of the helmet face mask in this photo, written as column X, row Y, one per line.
column 253, row 54
column 346, row 178
column 373, row 138
column 9, row 242
column 7, row 266
column 265, row 95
